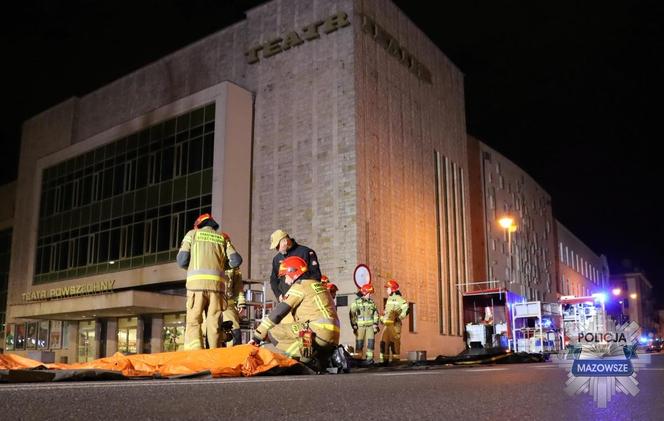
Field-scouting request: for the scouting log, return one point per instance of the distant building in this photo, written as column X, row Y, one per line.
column 633, row 300
column 581, row 271
column 499, row 188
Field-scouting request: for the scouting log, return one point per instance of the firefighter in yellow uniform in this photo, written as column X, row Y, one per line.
column 315, row 331
column 203, row 253
column 364, row 320
column 396, row 309
column 235, row 299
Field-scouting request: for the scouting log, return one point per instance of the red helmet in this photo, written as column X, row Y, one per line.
column 392, row 284
column 331, row 287
column 202, row 219
column 324, row 279
column 294, row 266
column 367, row 289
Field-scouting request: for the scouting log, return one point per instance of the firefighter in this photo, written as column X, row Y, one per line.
column 285, row 247
column 333, row 290
column 206, row 256
column 236, row 303
column 396, row 309
column 364, row 320
column 330, row 286
column 315, row 331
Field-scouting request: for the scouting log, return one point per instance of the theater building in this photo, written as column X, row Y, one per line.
column 337, row 121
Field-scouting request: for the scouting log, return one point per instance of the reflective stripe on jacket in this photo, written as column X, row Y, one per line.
column 363, row 312
column 207, row 261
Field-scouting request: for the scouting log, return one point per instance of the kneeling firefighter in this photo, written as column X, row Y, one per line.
column 234, row 297
column 315, row 332
column 396, row 309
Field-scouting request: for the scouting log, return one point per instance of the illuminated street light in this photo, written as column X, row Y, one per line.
column 507, row 223
column 616, row 291
column 632, row 296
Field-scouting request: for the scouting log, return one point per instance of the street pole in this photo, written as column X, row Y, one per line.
column 509, row 253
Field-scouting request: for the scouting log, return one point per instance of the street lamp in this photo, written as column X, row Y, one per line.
column 622, row 311
column 616, row 291
column 507, row 223
column 633, row 296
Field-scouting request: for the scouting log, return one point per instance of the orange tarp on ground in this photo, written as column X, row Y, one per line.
column 243, row 360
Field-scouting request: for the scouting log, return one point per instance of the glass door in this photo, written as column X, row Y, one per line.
column 86, row 341
column 173, row 332
column 127, row 330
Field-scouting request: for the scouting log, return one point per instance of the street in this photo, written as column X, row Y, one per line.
column 518, row 391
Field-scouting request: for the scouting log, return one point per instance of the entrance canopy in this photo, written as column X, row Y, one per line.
column 116, row 304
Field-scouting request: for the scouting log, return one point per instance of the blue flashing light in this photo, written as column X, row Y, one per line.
column 600, row 296
column 643, row 339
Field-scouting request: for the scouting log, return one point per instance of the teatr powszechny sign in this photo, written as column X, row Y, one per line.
column 69, row 291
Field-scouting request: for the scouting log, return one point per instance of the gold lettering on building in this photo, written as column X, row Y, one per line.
column 292, row 39
column 69, row 291
column 391, row 45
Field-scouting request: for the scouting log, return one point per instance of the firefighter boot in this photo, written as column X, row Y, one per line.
column 237, row 337
column 381, row 357
column 369, row 355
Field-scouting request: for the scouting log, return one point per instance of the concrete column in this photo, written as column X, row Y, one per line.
column 139, row 334
column 156, row 341
column 231, row 170
column 98, row 350
column 111, row 337
column 72, row 342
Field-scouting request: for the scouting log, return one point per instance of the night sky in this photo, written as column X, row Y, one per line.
column 571, row 91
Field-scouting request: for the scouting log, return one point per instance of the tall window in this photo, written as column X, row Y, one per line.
column 126, row 204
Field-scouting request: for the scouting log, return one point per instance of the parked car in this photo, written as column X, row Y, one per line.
column 655, row 346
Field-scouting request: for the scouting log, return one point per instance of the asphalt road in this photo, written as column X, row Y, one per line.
column 497, row 392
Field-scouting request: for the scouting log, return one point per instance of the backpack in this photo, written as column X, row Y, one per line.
column 340, row 361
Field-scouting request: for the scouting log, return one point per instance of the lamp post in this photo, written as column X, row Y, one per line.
column 507, row 223
column 618, row 292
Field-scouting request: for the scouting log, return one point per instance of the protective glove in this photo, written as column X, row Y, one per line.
column 354, row 329
column 376, row 329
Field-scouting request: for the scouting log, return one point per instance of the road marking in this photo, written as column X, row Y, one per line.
column 406, row 373
column 140, row 383
column 485, row 369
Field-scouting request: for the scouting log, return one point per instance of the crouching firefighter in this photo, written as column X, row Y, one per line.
column 364, row 320
column 315, row 333
column 396, row 309
column 235, row 299
column 206, row 256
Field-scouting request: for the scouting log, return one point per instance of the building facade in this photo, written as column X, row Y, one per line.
column 338, row 121
column 633, row 300
column 524, row 260
column 581, row 271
